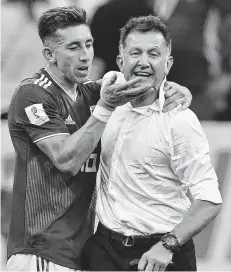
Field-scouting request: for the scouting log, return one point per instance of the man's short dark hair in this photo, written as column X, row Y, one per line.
column 145, row 24
column 59, row 18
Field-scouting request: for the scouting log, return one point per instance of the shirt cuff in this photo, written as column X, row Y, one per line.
column 207, row 191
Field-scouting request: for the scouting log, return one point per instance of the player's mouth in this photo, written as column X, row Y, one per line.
column 83, row 70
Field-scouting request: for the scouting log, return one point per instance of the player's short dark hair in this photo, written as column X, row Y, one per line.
column 59, row 18
column 145, row 24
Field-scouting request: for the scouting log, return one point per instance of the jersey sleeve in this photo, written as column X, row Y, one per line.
column 35, row 109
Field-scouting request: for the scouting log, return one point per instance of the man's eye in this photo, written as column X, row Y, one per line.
column 89, row 45
column 153, row 54
column 135, row 54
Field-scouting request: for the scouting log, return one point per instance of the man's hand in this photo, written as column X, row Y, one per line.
column 156, row 259
column 116, row 94
column 175, row 95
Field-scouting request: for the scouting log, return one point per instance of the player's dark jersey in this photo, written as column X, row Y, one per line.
column 50, row 212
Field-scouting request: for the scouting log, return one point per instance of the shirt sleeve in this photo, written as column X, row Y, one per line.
column 34, row 109
column 190, row 158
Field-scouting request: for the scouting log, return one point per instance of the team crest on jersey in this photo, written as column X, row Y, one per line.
column 36, row 114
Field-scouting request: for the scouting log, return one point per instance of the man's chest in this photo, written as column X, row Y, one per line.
column 135, row 138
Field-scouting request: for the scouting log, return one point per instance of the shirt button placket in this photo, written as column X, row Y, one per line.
column 117, row 150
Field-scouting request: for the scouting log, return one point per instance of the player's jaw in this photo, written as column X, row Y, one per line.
column 80, row 73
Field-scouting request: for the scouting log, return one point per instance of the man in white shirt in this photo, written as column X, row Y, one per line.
column 149, row 161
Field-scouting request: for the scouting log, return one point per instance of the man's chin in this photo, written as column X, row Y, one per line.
column 144, row 82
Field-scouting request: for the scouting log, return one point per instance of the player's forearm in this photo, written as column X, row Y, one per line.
column 76, row 149
column 200, row 214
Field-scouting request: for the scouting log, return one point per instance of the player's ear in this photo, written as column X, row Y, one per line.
column 168, row 64
column 120, row 63
column 49, row 55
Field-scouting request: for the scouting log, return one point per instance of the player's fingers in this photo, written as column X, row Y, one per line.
column 135, row 92
column 184, row 106
column 167, row 86
column 172, row 99
column 156, row 267
column 142, row 263
column 112, row 80
column 170, row 92
column 162, row 267
column 150, row 266
column 173, row 105
column 127, row 84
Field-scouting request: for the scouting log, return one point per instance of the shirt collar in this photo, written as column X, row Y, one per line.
column 157, row 105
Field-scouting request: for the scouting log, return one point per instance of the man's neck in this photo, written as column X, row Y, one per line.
column 145, row 100
column 148, row 98
column 68, row 86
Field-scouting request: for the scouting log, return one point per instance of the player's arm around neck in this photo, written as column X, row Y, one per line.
column 70, row 152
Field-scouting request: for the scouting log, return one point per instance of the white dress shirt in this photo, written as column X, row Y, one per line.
column 149, row 160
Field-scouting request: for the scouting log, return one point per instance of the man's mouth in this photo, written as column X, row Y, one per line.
column 143, row 74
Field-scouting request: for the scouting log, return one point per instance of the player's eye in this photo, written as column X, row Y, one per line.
column 73, row 48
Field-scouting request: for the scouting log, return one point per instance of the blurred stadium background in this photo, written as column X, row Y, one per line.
column 201, row 31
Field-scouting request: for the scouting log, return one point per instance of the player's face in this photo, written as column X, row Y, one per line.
column 145, row 55
column 75, row 53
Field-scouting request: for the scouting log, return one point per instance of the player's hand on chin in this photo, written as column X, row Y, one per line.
column 116, row 91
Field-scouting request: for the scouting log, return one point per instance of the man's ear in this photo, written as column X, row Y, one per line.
column 168, row 64
column 120, row 63
column 49, row 55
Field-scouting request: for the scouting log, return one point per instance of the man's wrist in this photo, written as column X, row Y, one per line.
column 170, row 241
column 101, row 113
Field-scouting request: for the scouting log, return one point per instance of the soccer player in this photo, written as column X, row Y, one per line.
column 56, row 137
column 149, row 161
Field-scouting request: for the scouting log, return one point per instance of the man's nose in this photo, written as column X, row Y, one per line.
column 144, row 60
column 84, row 56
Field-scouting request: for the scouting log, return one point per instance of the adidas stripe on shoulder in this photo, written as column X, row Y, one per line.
column 43, row 81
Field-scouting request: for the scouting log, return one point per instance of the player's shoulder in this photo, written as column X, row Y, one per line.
column 90, row 87
column 39, row 80
column 35, row 86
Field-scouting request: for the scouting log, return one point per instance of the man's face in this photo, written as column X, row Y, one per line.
column 145, row 55
column 75, row 53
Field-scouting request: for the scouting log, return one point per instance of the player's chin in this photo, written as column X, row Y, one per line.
column 80, row 79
